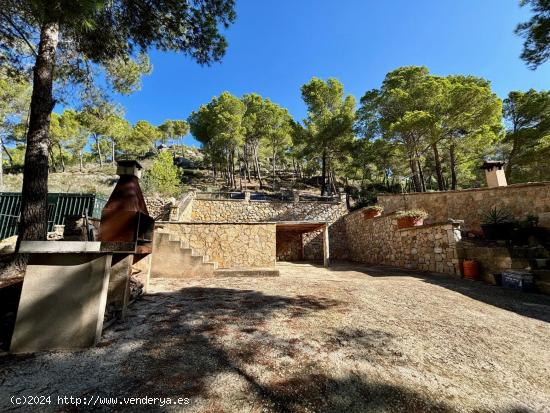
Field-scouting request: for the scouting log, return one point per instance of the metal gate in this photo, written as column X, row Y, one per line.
column 59, row 206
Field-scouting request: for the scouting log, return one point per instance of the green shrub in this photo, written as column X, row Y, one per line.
column 412, row 213
column 377, row 208
column 164, row 177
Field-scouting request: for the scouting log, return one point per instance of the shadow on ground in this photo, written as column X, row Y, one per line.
column 531, row 305
column 185, row 352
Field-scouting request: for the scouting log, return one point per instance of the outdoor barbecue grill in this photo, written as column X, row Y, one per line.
column 126, row 226
column 70, row 285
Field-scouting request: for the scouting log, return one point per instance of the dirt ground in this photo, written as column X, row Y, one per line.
column 347, row 339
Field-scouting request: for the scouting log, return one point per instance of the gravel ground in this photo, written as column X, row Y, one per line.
column 351, row 339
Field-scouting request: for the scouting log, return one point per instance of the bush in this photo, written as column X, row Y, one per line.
column 377, row 208
column 164, row 177
column 412, row 213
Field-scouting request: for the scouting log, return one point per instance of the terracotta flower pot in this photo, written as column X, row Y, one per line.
column 470, row 269
column 372, row 213
column 408, row 222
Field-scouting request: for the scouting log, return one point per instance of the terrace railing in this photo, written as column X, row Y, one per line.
column 60, row 205
column 285, row 196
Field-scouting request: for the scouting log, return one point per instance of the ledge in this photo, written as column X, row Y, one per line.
column 498, row 188
column 60, row 247
column 451, row 223
column 214, row 223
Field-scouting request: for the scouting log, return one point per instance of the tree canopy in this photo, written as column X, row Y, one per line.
column 536, row 31
column 437, row 125
column 528, row 132
column 67, row 42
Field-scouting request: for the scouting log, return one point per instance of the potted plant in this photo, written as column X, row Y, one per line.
column 497, row 224
column 373, row 211
column 525, row 229
column 410, row 218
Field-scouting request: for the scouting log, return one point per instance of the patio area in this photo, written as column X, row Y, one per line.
column 348, row 338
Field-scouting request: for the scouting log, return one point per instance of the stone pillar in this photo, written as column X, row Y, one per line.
column 119, row 283
column 326, row 247
column 246, row 196
column 174, row 213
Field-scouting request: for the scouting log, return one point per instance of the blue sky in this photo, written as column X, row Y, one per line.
column 275, row 46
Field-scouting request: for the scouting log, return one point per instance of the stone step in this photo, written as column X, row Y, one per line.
column 543, row 287
column 247, row 272
column 175, row 259
column 542, row 275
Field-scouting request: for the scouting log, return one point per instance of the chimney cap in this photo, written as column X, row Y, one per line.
column 129, row 163
column 488, row 165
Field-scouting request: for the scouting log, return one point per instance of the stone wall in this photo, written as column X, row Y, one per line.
column 264, row 211
column 491, row 258
column 289, row 246
column 230, row 244
column 159, row 208
column 426, row 248
column 471, row 204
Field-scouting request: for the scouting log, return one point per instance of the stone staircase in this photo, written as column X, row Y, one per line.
column 533, row 259
column 542, row 280
column 174, row 258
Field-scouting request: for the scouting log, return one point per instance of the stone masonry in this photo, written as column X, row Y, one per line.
column 426, row 248
column 271, row 211
column 265, row 211
column 230, row 244
column 471, row 204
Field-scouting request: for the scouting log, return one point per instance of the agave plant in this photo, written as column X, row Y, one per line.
column 497, row 216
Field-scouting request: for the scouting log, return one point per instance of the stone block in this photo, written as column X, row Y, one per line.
column 62, row 302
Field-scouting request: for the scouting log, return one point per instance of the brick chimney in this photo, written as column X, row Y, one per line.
column 494, row 173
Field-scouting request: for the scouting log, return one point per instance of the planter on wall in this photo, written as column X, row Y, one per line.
column 409, row 222
column 470, row 269
column 372, row 213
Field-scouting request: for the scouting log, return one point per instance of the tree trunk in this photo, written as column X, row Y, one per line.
column 61, row 157
column 452, row 156
column 438, row 170
column 257, row 167
column 273, row 183
column 6, row 151
column 53, row 166
column 112, row 152
column 324, row 173
column 421, row 175
column 98, row 146
column 80, row 160
column 415, row 175
column 34, row 194
column 333, row 181
column 233, row 178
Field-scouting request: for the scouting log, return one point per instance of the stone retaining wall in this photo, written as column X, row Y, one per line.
column 471, row 204
column 263, row 211
column 230, row 244
column 426, row 248
column 158, row 207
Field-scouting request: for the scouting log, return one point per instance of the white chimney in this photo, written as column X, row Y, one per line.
column 129, row 167
column 494, row 173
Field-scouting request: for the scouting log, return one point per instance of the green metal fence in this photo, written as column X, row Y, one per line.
column 59, row 206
